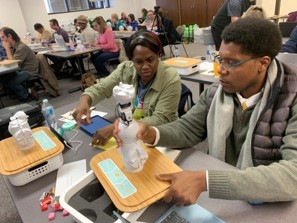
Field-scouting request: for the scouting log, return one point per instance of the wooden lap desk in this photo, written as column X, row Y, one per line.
column 26, row 197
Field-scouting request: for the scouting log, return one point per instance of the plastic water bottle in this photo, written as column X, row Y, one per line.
column 49, row 114
column 209, row 52
column 176, row 51
column 71, row 44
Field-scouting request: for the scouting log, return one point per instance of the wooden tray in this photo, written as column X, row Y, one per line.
column 149, row 189
column 13, row 160
column 182, row 62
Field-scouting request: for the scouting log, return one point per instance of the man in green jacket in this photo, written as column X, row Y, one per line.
column 249, row 118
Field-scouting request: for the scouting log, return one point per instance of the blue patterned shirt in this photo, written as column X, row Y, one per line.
column 2, row 51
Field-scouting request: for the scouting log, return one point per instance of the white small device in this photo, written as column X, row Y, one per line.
column 134, row 155
column 20, row 130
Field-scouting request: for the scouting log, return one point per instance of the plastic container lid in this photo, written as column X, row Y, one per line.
column 68, row 126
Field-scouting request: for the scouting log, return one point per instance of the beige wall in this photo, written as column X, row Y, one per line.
column 21, row 15
column 41, row 16
column 12, row 16
column 286, row 6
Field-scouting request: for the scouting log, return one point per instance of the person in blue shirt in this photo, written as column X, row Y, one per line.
column 291, row 45
column 132, row 22
column 2, row 51
column 115, row 22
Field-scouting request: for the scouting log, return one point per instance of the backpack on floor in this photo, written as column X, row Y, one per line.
column 87, row 80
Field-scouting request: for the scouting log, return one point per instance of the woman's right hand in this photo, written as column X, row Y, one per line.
column 82, row 111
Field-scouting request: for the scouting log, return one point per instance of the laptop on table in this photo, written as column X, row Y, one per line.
column 61, row 45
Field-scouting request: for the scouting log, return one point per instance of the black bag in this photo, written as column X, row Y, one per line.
column 33, row 110
column 186, row 100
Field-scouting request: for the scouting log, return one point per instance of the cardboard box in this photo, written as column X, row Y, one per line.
column 184, row 65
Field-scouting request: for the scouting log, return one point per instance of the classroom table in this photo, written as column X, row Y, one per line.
column 228, row 210
column 26, row 197
column 7, row 70
column 201, row 79
column 123, row 34
column 73, row 54
column 77, row 54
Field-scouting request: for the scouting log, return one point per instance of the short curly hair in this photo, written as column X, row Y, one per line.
column 256, row 36
column 143, row 38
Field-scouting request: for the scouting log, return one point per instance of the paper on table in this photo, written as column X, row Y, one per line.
column 205, row 66
column 170, row 153
column 109, row 145
column 68, row 115
column 100, row 113
column 68, row 174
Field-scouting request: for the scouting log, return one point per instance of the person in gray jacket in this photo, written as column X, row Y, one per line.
column 249, row 119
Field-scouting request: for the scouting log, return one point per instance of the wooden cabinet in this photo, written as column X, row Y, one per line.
column 193, row 12
column 189, row 12
column 171, row 9
column 213, row 7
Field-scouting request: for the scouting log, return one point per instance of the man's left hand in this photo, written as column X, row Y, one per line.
column 186, row 186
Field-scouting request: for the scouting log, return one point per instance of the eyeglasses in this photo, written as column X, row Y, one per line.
column 228, row 66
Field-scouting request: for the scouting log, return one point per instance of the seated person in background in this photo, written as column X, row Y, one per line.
column 106, row 42
column 115, row 22
column 2, row 51
column 77, row 29
column 143, row 15
column 167, row 27
column 60, row 62
column 124, row 18
column 75, row 24
column 43, row 35
column 249, row 118
column 291, row 45
column 17, row 50
column 132, row 22
column 87, row 34
column 158, row 87
column 149, row 22
column 255, row 11
column 54, row 24
column 292, row 17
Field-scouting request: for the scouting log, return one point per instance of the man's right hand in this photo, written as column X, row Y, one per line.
column 81, row 110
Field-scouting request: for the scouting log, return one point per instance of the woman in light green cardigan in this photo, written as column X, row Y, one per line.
column 157, row 86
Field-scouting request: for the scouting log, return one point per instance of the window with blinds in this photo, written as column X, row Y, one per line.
column 62, row 6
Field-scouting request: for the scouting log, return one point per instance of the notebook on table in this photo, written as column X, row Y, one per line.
column 97, row 122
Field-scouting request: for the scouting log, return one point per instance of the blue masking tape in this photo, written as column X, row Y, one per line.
column 68, row 126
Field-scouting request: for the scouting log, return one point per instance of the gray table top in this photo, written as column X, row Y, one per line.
column 26, row 197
